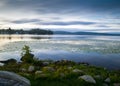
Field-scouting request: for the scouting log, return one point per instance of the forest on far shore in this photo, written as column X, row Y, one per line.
column 31, row 31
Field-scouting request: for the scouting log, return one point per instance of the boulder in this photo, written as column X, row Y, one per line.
column 12, row 79
column 42, row 75
column 23, row 69
column 38, row 72
column 69, row 68
column 46, row 63
column 107, row 80
column 50, row 69
column 77, row 71
column 88, row 78
column 98, row 77
column 31, row 68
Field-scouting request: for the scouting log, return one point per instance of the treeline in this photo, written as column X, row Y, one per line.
column 21, row 31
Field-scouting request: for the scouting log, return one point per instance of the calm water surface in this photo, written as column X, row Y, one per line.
column 97, row 50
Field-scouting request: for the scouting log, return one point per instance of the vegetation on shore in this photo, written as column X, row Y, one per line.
column 60, row 73
column 21, row 31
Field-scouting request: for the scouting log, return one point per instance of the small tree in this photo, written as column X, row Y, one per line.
column 26, row 55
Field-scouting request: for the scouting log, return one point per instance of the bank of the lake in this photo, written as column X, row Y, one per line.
column 64, row 73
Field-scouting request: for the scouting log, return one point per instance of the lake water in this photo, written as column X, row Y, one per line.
column 97, row 50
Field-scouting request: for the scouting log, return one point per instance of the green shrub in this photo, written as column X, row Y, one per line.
column 27, row 56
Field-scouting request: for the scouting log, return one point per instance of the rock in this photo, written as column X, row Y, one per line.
column 46, row 63
column 51, row 69
column 77, row 71
column 104, row 68
column 116, row 84
column 31, row 68
column 23, row 69
column 107, row 80
column 69, row 68
column 88, row 78
column 12, row 79
column 98, row 76
column 42, row 76
column 38, row 72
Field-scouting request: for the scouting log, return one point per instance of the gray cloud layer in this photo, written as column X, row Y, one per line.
column 92, row 13
column 38, row 21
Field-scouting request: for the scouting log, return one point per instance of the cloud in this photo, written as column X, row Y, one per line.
column 22, row 21
column 3, row 4
column 102, row 25
column 54, row 21
column 66, row 6
column 61, row 14
column 69, row 23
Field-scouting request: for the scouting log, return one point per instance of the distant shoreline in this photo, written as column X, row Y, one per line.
column 85, row 33
column 21, row 31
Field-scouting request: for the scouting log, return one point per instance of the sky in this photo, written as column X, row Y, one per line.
column 67, row 15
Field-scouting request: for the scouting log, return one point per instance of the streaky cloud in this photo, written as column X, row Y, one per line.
column 69, row 23
column 22, row 21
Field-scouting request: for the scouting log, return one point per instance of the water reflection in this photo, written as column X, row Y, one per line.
column 73, row 47
column 87, row 37
column 9, row 37
column 12, row 38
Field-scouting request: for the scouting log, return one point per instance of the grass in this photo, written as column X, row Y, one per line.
column 63, row 74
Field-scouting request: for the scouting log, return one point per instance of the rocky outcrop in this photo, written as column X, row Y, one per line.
column 12, row 79
column 88, row 78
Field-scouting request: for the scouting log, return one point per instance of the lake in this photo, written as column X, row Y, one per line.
column 102, row 51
